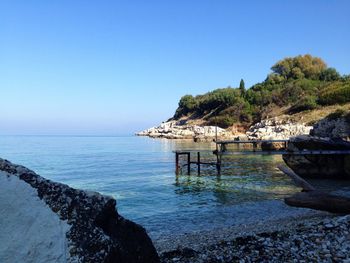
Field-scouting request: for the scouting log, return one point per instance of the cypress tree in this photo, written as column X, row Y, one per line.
column 242, row 87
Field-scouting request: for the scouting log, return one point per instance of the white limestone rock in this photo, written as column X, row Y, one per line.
column 276, row 129
column 175, row 130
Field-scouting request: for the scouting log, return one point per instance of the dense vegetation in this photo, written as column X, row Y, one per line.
column 300, row 83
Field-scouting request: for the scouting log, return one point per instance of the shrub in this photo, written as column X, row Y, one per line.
column 219, row 98
column 306, row 103
column 274, row 78
column 290, row 91
column 223, row 121
column 241, row 111
column 335, row 93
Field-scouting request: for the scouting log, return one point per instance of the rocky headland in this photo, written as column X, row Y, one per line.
column 45, row 221
column 272, row 128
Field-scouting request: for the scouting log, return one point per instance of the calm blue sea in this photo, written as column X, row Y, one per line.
column 139, row 173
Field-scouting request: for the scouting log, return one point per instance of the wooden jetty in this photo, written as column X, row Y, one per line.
column 222, row 145
column 221, row 150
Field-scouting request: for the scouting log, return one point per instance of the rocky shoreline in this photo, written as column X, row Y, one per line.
column 322, row 238
column 273, row 128
column 276, row 129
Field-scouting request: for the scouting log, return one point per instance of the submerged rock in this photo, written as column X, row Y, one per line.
column 319, row 166
column 96, row 233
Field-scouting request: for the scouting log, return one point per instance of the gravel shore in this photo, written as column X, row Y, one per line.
column 321, row 237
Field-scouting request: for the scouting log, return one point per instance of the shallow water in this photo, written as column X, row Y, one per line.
column 139, row 173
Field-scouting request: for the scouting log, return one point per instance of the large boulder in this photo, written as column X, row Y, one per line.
column 332, row 127
column 89, row 228
column 335, row 166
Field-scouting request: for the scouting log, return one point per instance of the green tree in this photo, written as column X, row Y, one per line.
column 187, row 104
column 330, row 74
column 274, row 78
column 242, row 87
column 299, row 67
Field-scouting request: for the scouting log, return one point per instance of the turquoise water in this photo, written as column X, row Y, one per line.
column 139, row 173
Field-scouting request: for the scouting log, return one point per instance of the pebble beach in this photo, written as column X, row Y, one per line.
column 319, row 238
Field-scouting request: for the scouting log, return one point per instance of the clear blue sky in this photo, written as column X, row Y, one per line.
column 115, row 67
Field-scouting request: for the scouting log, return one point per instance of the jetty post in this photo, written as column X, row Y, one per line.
column 218, row 163
column 177, row 161
column 218, row 157
column 177, row 167
column 198, row 163
column 188, row 163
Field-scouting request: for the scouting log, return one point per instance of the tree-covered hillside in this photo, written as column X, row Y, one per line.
column 296, row 83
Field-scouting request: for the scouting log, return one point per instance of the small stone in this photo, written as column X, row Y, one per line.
column 329, row 226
